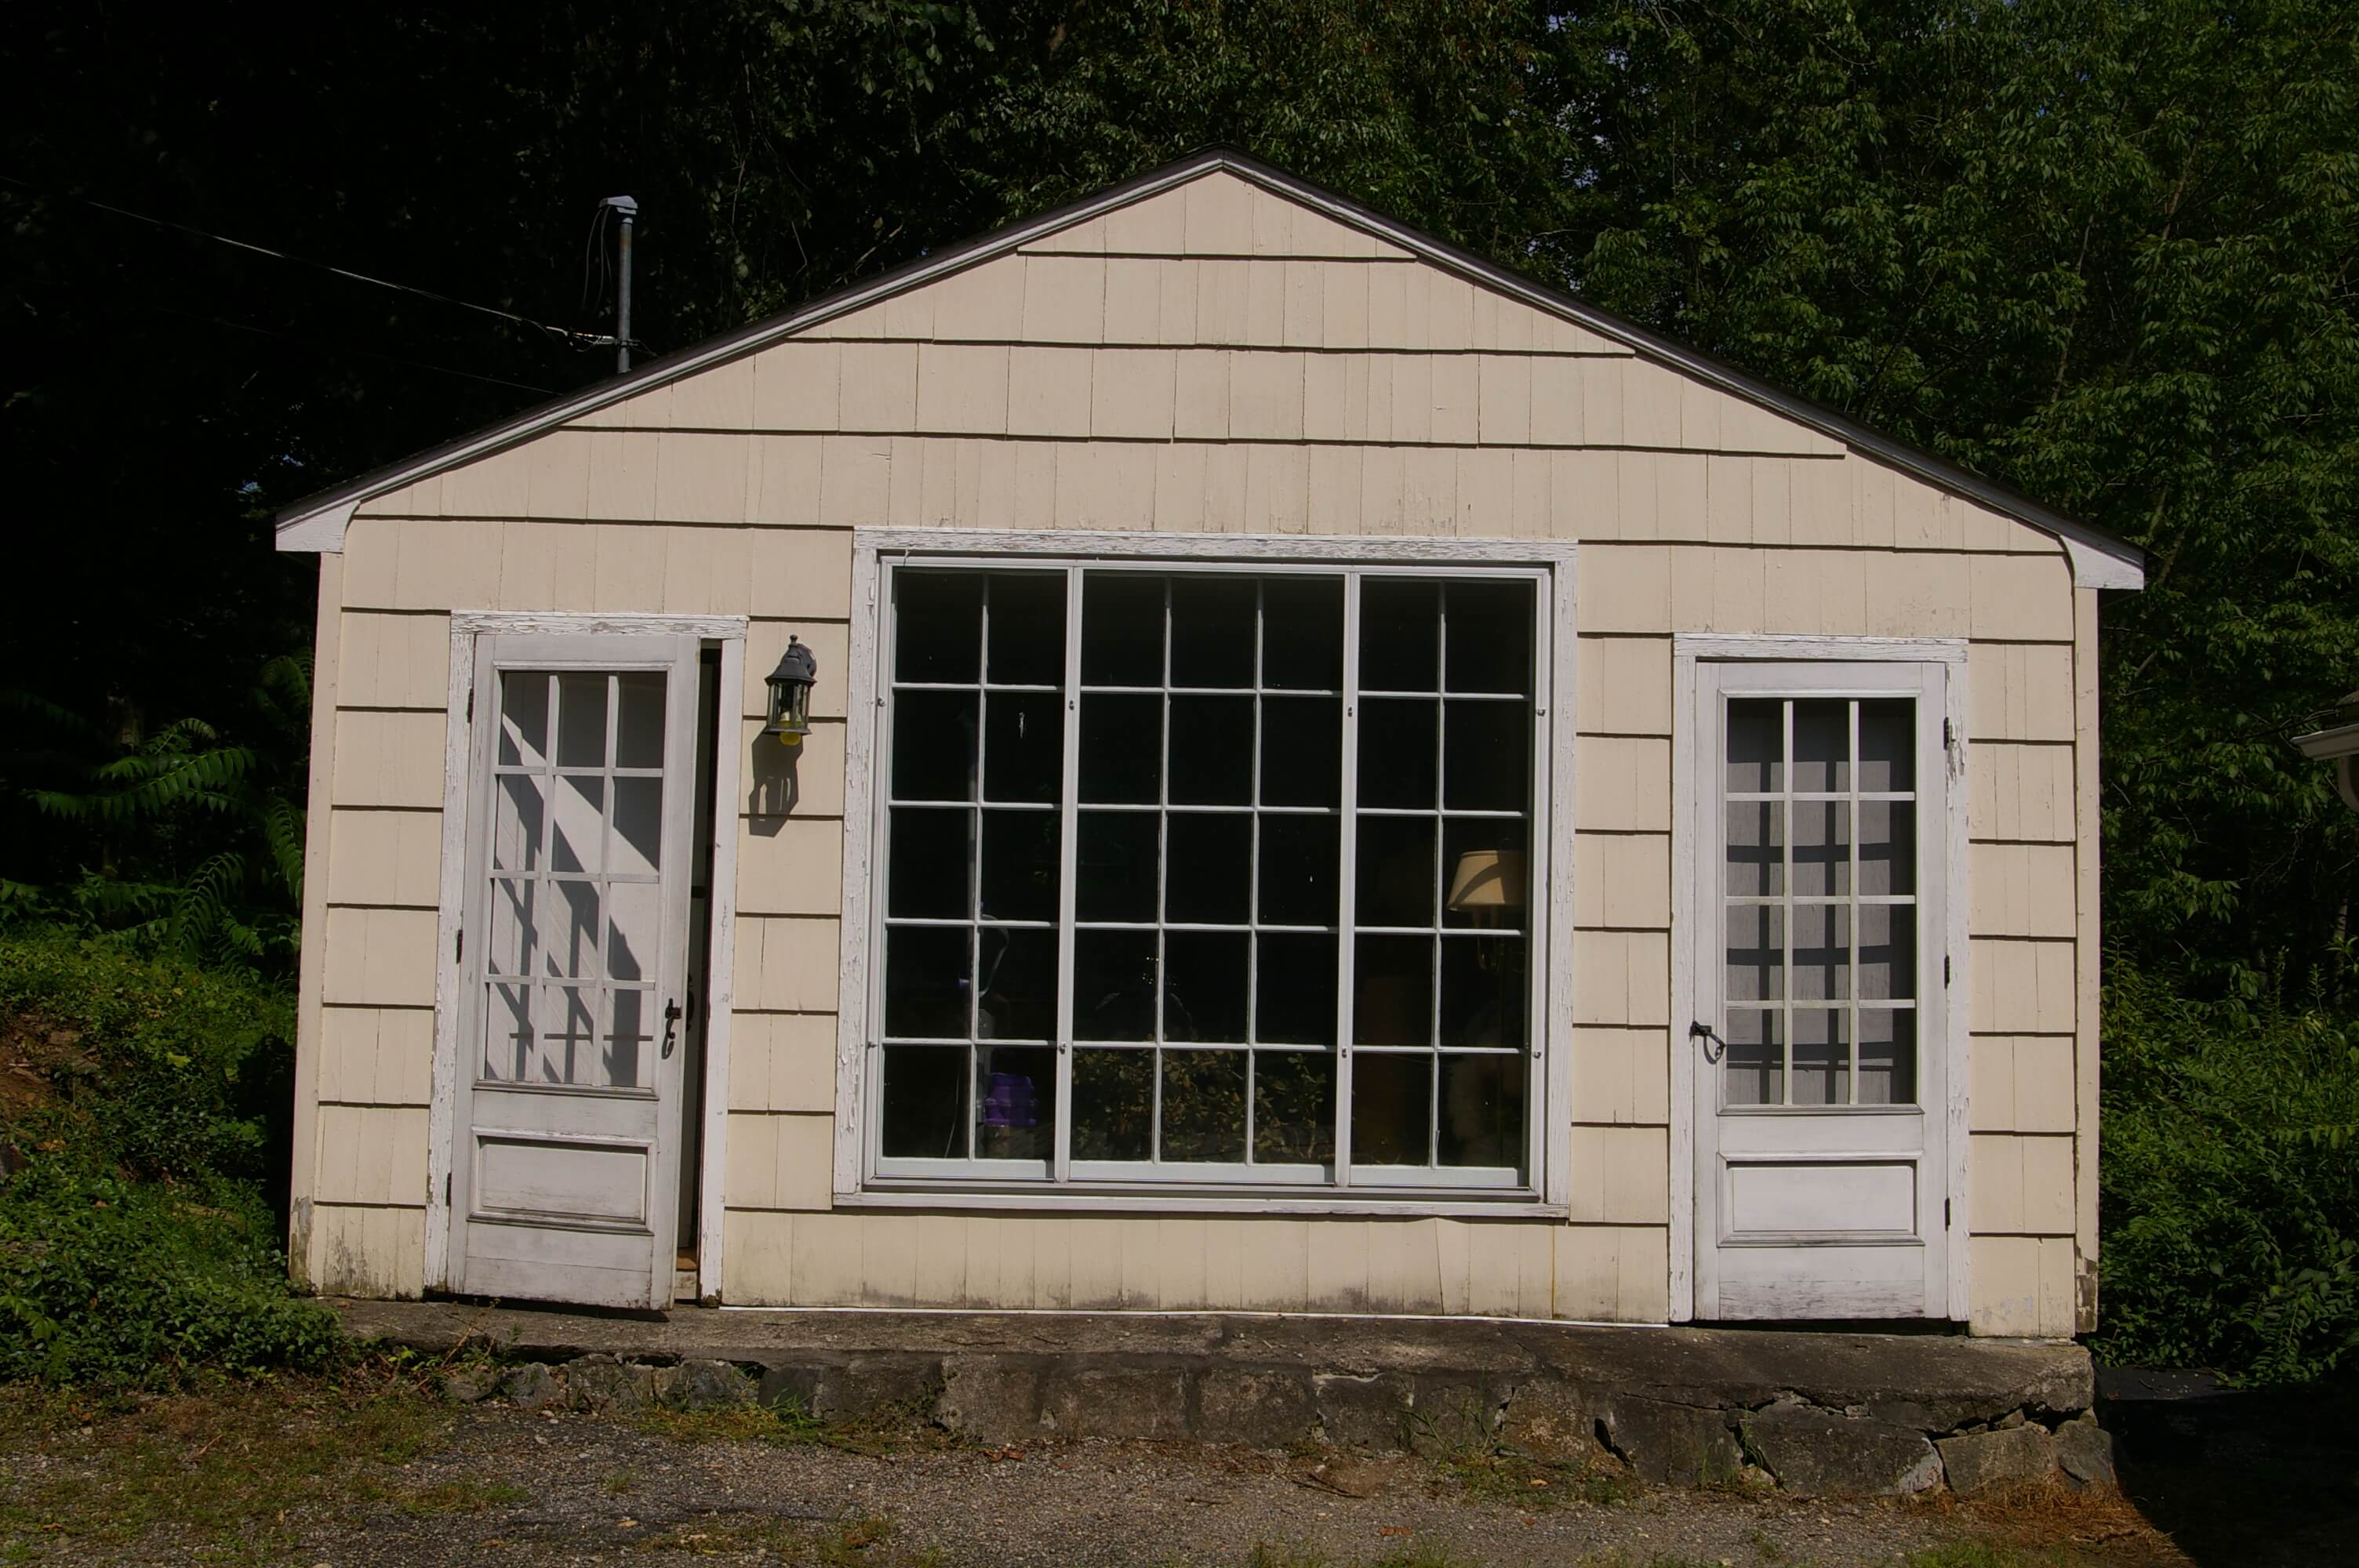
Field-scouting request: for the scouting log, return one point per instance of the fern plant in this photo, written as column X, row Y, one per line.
column 193, row 835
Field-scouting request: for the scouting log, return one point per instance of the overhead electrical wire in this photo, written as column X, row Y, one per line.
column 566, row 335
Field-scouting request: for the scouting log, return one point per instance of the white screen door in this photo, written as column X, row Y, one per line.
column 564, row 1185
column 1821, row 801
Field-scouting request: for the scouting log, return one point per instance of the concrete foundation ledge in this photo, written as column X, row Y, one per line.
column 1815, row 1414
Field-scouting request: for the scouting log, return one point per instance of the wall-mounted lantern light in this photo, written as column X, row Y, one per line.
column 2339, row 745
column 790, row 688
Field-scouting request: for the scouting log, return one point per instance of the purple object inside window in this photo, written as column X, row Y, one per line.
column 1007, row 1101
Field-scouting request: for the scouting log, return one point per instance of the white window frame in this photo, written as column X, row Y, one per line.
column 1549, row 563
column 1688, row 790
column 728, row 634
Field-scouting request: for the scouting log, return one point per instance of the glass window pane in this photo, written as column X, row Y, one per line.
column 1113, row 1104
column 1887, row 847
column 1015, row 1102
column 1392, row 991
column 1392, row 1108
column 569, row 930
column 1294, row 993
column 1887, row 951
column 1028, row 629
column 1019, row 984
column 1397, row 756
column 1121, row 629
column 1888, row 743
column 925, row 981
column 1757, row 849
column 1019, row 865
column 1208, row 877
column 578, row 842
column 1024, row 746
column 1116, row 876
column 1482, row 1120
column 1484, row 987
column 1887, row 1056
column 508, row 1033
column 634, row 930
column 1395, row 884
column 1489, row 637
column 516, row 822
column 1821, row 1057
column 1122, row 750
column 924, row 1111
column 1213, row 630
column 1114, row 985
column 1400, row 634
column 628, row 1043
column 1486, row 756
column 515, row 934
column 581, row 720
column 1752, row 1068
column 524, row 718
column 569, row 1040
column 635, row 848
column 1204, row 1106
column 933, row 745
column 1204, row 985
column 1822, row 952
column 1821, row 743
column 1302, row 633
column 1294, row 1107
column 1300, row 858
column 639, row 718
column 1302, row 750
column 1212, row 751
column 937, row 625
column 933, row 861
column 1757, row 744
column 1485, row 880
column 1756, row 952
column 1821, row 851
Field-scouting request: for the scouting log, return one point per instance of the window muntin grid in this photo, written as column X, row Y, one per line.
column 1215, row 716
column 574, row 873
column 1819, row 901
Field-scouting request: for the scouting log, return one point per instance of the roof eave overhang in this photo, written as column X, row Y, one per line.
column 2098, row 560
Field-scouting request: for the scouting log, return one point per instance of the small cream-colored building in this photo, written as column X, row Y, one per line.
column 1339, row 780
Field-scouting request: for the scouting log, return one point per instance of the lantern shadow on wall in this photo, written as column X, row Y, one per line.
column 776, row 784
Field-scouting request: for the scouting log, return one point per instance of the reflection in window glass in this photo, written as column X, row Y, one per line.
column 1170, row 899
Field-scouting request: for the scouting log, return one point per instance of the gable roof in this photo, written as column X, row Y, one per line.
column 2100, row 559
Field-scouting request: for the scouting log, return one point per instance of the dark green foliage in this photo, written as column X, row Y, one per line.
column 136, row 1248
column 2231, row 1222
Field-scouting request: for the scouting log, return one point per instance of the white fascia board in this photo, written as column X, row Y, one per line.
column 2322, row 745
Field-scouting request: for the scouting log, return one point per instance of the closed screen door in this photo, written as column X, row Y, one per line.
column 1820, row 1027
column 564, row 1185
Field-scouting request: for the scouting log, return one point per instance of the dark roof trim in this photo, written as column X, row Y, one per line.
column 2099, row 559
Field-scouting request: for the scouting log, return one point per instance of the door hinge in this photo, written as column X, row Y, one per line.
column 1949, row 740
column 459, row 945
column 471, row 709
column 1945, row 1212
column 1945, row 968
column 446, row 1189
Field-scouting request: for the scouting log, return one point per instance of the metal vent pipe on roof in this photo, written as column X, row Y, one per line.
column 628, row 208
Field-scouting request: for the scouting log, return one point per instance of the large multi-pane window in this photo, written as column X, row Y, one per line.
column 1206, row 875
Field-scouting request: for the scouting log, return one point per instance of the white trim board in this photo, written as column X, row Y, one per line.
column 1687, row 649
column 2098, row 560
column 1551, row 563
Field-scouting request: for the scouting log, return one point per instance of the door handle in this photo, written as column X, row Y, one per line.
column 671, row 1027
column 1701, row 1031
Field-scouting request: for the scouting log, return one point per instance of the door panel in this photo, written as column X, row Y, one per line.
column 570, row 1109
column 1820, row 797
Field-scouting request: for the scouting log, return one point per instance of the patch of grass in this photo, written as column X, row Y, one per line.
column 221, row 1472
column 621, row 1481
column 788, row 1424
column 1505, row 1475
column 462, row 1497
column 1266, row 1555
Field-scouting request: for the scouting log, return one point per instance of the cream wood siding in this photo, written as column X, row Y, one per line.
column 1216, row 359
